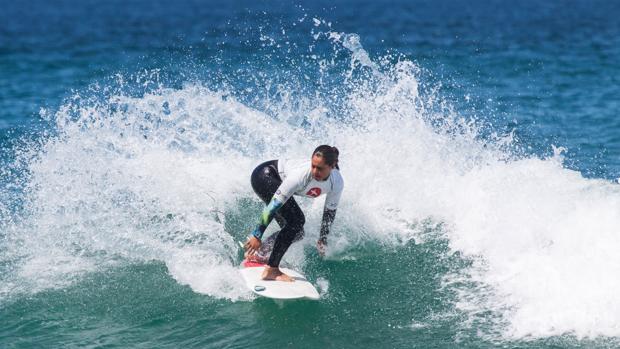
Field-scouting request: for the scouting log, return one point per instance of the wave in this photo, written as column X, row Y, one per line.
column 163, row 176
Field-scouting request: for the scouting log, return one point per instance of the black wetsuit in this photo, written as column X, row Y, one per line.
column 265, row 181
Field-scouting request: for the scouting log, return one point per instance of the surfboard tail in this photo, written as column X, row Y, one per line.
column 250, row 264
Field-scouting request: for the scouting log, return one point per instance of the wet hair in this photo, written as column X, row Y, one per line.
column 328, row 153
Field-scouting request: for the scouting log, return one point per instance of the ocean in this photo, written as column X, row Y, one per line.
column 479, row 144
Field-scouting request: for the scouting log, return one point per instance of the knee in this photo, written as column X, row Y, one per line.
column 300, row 235
column 298, row 225
column 294, row 229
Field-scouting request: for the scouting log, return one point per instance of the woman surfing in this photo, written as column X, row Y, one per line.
column 275, row 182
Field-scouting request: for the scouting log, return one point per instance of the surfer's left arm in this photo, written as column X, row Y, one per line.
column 329, row 214
column 328, row 219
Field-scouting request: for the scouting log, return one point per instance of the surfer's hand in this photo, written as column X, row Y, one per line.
column 321, row 245
column 252, row 245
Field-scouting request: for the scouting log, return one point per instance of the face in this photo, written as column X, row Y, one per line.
column 320, row 170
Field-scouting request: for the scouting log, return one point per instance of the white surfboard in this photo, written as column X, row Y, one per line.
column 300, row 288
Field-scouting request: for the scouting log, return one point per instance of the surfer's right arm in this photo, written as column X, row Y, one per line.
column 266, row 217
column 284, row 192
column 254, row 242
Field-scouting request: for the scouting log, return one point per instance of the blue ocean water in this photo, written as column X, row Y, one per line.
column 480, row 146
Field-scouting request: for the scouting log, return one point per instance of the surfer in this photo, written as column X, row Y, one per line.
column 275, row 182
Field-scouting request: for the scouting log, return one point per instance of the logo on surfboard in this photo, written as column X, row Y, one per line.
column 314, row 192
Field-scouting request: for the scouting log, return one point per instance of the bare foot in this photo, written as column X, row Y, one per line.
column 274, row 273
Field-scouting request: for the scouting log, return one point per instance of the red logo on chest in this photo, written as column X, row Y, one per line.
column 314, row 192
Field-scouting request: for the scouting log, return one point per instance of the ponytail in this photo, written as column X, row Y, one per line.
column 328, row 153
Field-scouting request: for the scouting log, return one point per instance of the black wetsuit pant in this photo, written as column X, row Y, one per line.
column 265, row 181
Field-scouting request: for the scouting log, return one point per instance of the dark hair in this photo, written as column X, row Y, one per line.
column 328, row 153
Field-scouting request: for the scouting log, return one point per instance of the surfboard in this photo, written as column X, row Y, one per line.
column 299, row 289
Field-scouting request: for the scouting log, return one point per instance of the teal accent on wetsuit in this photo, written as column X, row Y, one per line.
column 266, row 217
